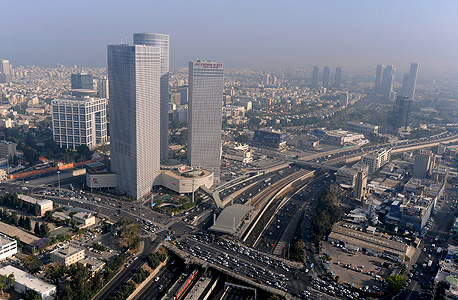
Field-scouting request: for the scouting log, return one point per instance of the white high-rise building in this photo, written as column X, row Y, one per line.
column 134, row 73
column 206, row 80
column 102, row 86
column 79, row 120
column 161, row 41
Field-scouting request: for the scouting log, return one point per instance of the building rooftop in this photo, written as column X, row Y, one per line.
column 230, row 218
column 27, row 279
column 83, row 215
column 367, row 240
column 5, row 240
column 65, row 252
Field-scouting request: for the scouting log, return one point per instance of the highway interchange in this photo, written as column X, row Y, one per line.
column 246, row 265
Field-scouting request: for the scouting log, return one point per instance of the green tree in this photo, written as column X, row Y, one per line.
column 28, row 223
column 84, row 151
column 14, row 218
column 54, row 272
column 44, row 229
column 32, row 263
column 396, row 282
column 31, row 295
column 36, row 229
column 48, row 216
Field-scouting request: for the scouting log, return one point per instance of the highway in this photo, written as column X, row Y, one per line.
column 301, row 199
column 125, row 274
column 168, row 275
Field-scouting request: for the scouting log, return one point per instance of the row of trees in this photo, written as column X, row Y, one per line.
column 125, row 291
column 12, row 201
column 154, row 259
column 140, row 276
column 41, row 230
column 327, row 214
column 13, row 219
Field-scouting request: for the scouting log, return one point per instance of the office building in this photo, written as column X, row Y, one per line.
column 24, row 281
column 405, row 83
column 44, row 205
column 376, row 160
column 378, row 79
column 242, row 153
column 315, row 72
column 82, row 81
column 79, row 120
column 161, row 41
column 375, row 244
column 8, row 247
column 5, row 71
column 398, row 118
column 387, row 82
column 360, row 127
column 103, row 88
column 344, row 99
column 412, row 81
column 424, row 164
column 84, row 219
column 270, row 138
column 67, row 256
column 326, row 73
column 206, row 81
column 134, row 72
column 338, row 78
column 7, row 149
column 360, row 185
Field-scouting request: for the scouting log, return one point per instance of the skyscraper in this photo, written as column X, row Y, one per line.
column 5, row 71
column 315, row 72
column 326, row 72
column 387, row 81
column 103, row 88
column 206, row 80
column 82, row 81
column 412, row 83
column 338, row 78
column 405, row 83
column 360, row 185
column 161, row 41
column 134, row 72
column 399, row 117
column 378, row 79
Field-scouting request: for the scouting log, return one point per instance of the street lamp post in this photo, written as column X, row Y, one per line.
column 58, row 181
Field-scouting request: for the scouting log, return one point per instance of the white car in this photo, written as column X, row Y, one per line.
column 156, row 279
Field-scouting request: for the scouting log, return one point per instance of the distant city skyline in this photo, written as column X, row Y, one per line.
column 306, row 33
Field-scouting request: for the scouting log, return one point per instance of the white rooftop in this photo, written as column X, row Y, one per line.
column 27, row 279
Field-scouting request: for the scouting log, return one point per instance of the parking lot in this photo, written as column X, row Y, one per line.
column 357, row 268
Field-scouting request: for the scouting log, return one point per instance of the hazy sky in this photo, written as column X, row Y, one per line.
column 241, row 33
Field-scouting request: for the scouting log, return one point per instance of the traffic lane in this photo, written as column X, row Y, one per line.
column 167, row 277
column 292, row 285
column 272, row 235
column 111, row 288
column 120, row 280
